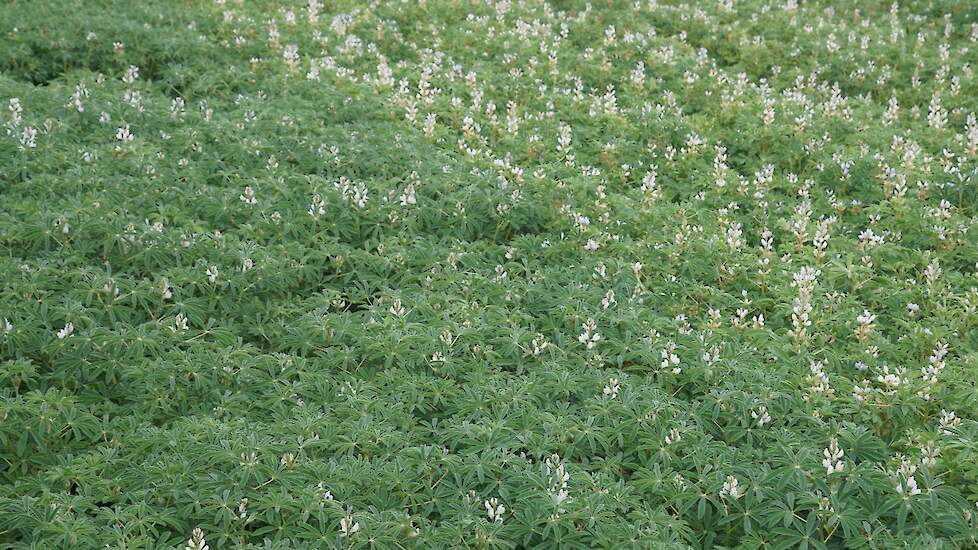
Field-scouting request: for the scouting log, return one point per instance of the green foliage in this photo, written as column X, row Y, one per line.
column 466, row 274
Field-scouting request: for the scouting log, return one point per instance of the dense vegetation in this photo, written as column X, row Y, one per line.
column 488, row 274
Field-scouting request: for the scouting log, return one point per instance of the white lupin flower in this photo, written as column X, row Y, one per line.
column 903, row 478
column 512, row 118
column 720, row 169
column 348, row 527
column 123, row 134
column 291, row 56
column 929, row 454
column 564, row 139
column 734, row 233
column 906, row 487
column 936, row 114
column 637, row 76
column 360, row 195
column 589, row 335
column 28, row 138
column 408, row 197
column 892, row 112
column 804, row 281
column 540, row 345
column 494, row 510
column 248, row 197
column 318, row 206
column 669, row 359
column 16, row 109
column 833, row 458
column 761, row 416
column 385, row 76
column 949, row 421
column 179, row 323
column 196, row 541
column 557, row 478
column 731, row 488
column 865, row 325
column 131, row 75
column 935, row 365
column 892, row 379
column 822, row 234
column 430, row 120
column 66, row 331
column 912, row 488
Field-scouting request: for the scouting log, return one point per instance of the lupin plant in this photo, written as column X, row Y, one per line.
column 489, row 274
